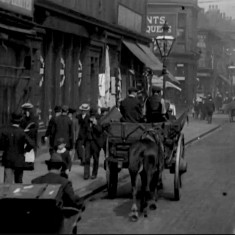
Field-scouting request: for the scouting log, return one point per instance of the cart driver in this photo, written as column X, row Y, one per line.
column 155, row 106
column 131, row 108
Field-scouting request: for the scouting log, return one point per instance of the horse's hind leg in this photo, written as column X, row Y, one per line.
column 154, row 191
column 134, row 209
column 144, row 193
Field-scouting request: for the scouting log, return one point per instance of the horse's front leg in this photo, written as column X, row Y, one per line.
column 134, row 215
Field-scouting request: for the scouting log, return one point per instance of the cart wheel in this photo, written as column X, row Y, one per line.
column 112, row 178
column 177, row 178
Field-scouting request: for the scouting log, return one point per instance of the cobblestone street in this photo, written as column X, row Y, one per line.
column 206, row 205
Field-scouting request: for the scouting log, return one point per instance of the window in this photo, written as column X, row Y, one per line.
column 181, row 30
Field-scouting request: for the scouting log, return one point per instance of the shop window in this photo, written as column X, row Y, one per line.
column 180, row 70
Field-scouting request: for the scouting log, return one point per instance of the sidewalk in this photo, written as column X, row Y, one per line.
column 85, row 188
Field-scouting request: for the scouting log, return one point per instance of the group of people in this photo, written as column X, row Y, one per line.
column 153, row 109
column 204, row 109
column 81, row 131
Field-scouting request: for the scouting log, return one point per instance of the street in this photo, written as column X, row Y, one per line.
column 207, row 197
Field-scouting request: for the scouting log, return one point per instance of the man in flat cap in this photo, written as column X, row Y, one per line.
column 155, row 106
column 131, row 108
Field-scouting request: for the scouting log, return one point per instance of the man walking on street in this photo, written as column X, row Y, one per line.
column 63, row 128
column 49, row 132
column 14, row 142
column 83, row 122
column 210, row 108
column 93, row 145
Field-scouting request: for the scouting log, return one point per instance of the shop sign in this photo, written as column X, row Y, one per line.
column 24, row 7
column 155, row 22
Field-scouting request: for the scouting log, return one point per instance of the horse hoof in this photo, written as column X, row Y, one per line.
column 153, row 206
column 145, row 215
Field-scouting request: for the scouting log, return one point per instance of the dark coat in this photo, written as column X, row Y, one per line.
column 63, row 128
column 49, row 132
column 68, row 196
column 83, row 126
column 131, row 110
column 12, row 141
column 209, row 107
column 31, row 123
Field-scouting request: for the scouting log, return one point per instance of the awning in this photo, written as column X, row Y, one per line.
column 156, row 61
column 17, row 29
column 141, row 55
column 224, row 78
column 158, row 81
column 150, row 54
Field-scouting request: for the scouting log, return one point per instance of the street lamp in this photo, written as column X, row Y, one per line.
column 165, row 44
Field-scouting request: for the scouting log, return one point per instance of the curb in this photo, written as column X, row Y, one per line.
column 202, row 135
column 103, row 187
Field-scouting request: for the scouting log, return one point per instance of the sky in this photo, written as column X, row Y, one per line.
column 227, row 6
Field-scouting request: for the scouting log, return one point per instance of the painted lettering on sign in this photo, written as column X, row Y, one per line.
column 24, row 7
column 156, row 21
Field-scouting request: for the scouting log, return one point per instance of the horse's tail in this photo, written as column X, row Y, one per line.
column 136, row 156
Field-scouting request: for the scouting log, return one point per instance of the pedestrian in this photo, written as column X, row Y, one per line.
column 210, row 109
column 93, row 145
column 63, row 128
column 30, row 123
column 49, row 131
column 83, row 123
column 65, row 155
column 72, row 116
column 14, row 142
column 131, row 107
column 155, row 106
column 53, row 176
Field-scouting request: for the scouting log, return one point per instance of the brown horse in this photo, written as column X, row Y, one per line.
column 146, row 157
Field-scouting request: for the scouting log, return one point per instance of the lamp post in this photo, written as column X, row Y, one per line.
column 231, row 69
column 164, row 44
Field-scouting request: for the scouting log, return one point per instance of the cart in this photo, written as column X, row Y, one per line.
column 122, row 135
column 28, row 208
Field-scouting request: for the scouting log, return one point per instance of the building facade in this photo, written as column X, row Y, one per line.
column 181, row 17
column 75, row 52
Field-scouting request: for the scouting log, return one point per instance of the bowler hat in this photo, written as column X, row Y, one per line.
column 27, row 106
column 16, row 118
column 93, row 112
column 60, row 141
column 71, row 110
column 57, row 109
column 55, row 159
column 65, row 108
column 156, row 89
column 132, row 89
column 84, row 107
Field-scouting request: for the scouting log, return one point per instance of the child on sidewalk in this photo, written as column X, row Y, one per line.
column 65, row 155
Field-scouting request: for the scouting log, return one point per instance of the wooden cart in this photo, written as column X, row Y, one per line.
column 122, row 135
column 35, row 209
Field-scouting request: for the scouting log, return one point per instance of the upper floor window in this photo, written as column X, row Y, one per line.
column 181, row 30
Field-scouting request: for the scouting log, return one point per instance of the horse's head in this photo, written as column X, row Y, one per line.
column 152, row 134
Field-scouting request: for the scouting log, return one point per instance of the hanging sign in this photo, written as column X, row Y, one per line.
column 42, row 71
column 79, row 73
column 24, row 7
column 62, row 72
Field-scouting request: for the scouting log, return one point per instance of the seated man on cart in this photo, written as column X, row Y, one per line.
column 131, row 108
column 155, row 107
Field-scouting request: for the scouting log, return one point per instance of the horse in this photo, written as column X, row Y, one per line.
column 146, row 157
